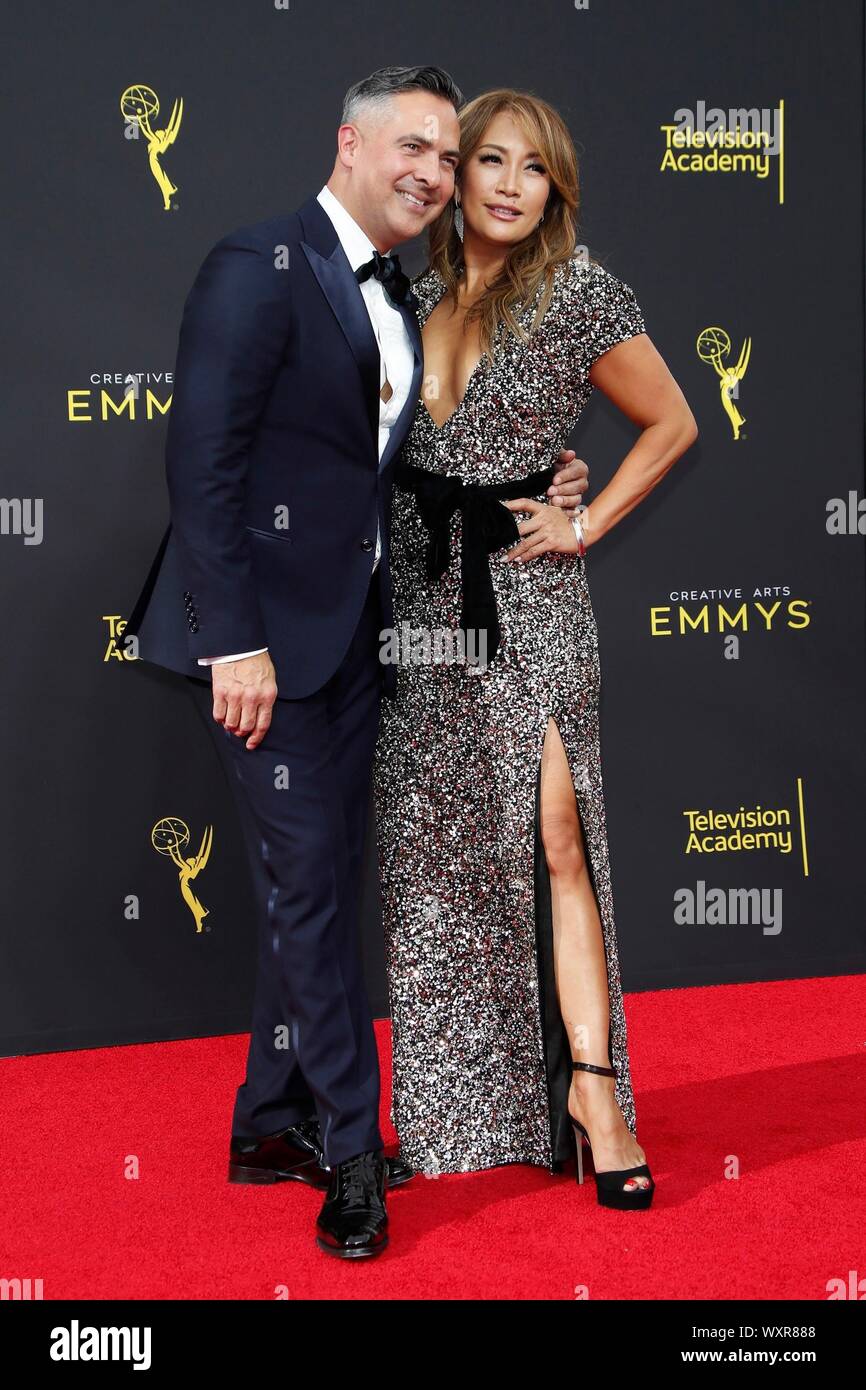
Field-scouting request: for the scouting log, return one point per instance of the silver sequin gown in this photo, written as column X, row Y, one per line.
column 481, row 1063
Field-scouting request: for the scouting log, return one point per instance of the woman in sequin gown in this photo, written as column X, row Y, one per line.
column 482, row 1040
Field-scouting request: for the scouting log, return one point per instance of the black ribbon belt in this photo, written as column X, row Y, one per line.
column 487, row 526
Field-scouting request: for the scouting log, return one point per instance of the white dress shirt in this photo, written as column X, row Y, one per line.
column 396, row 357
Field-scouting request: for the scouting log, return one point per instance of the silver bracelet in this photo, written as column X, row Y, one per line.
column 578, row 531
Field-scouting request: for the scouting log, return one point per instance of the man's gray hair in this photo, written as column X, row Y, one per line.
column 374, row 93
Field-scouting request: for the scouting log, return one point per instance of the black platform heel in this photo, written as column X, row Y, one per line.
column 609, row 1184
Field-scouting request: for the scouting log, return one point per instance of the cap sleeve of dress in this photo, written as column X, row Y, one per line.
column 606, row 309
column 428, row 289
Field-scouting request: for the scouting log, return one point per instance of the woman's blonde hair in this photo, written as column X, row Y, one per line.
column 532, row 261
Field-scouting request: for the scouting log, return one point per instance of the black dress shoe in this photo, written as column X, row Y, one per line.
column 353, row 1222
column 295, row 1155
column 292, row 1155
column 396, row 1170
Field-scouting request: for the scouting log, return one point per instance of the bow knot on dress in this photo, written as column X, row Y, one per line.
column 487, row 526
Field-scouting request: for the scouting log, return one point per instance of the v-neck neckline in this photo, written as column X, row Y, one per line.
column 458, row 407
column 437, row 279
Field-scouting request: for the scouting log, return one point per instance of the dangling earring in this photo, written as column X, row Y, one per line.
column 458, row 219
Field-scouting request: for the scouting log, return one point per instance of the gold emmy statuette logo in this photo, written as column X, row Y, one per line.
column 141, row 105
column 713, row 344
column 169, row 836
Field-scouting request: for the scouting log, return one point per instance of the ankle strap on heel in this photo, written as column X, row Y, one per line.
column 588, row 1066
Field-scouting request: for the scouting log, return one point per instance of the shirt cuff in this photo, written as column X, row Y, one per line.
column 239, row 656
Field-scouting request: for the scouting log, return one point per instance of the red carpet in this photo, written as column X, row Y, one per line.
column 772, row 1074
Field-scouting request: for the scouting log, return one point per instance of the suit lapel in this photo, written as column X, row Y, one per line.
column 330, row 265
column 410, row 318
column 403, row 423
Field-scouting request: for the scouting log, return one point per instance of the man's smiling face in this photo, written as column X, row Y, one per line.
column 402, row 159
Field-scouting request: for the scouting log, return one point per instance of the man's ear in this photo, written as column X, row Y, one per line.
column 348, row 140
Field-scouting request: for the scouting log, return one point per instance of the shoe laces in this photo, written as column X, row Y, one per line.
column 357, row 1175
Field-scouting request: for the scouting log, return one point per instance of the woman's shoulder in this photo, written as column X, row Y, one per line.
column 581, row 275
column 427, row 288
column 591, row 295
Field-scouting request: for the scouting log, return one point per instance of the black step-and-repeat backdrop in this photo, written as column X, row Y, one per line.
column 721, row 158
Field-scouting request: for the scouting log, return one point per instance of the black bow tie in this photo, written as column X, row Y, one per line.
column 388, row 271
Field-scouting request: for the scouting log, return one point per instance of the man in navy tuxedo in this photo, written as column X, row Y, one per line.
column 298, row 372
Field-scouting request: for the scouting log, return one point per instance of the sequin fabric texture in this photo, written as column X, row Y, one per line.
column 459, row 751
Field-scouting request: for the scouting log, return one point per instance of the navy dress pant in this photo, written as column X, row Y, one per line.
column 303, row 796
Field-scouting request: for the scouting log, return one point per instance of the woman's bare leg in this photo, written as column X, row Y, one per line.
column 580, row 966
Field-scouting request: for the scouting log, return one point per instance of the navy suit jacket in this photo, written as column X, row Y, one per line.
column 275, row 406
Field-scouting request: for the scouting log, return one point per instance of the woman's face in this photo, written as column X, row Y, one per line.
column 504, row 186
